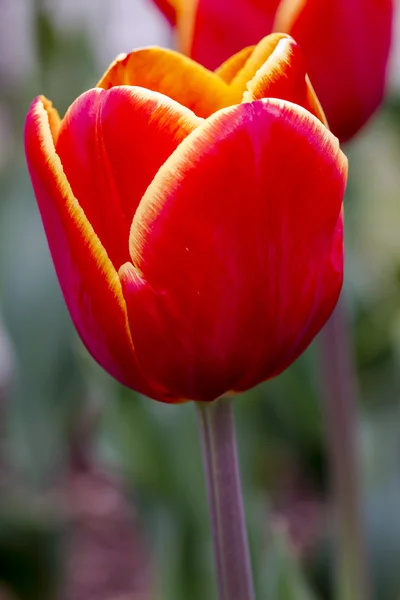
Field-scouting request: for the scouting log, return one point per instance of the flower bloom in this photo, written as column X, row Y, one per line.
column 194, row 218
column 346, row 44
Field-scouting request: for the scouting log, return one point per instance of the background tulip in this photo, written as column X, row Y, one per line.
column 199, row 252
column 346, row 44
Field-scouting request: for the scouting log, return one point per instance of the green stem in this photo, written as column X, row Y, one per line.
column 340, row 396
column 232, row 557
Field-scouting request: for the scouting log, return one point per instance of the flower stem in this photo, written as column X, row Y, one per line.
column 231, row 551
column 340, row 396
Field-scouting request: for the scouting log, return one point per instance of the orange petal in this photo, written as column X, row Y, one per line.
column 88, row 280
column 111, row 144
column 260, row 54
column 274, row 68
column 238, row 250
column 277, row 69
column 172, row 74
column 346, row 46
column 229, row 69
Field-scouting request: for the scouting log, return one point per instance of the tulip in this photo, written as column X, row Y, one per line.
column 194, row 218
column 346, row 44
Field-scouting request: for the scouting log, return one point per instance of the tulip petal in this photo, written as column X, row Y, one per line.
column 229, row 69
column 88, row 280
column 261, row 53
column 111, row 144
column 346, row 45
column 237, row 254
column 274, row 69
column 172, row 74
column 284, row 75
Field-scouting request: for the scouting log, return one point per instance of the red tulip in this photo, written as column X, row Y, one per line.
column 346, row 44
column 197, row 238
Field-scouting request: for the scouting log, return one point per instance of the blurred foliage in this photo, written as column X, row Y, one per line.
column 30, row 546
column 155, row 447
column 67, row 66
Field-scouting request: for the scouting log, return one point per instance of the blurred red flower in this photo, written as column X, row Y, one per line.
column 194, row 218
column 346, row 44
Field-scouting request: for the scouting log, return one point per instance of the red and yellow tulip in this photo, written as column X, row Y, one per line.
column 194, row 218
column 346, row 44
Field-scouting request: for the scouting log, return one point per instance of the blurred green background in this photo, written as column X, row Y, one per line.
column 101, row 491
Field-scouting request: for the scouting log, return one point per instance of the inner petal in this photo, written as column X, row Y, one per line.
column 111, row 144
column 283, row 75
column 230, row 68
column 172, row 74
column 260, row 54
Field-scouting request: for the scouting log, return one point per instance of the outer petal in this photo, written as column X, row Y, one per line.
column 237, row 247
column 222, row 28
column 172, row 74
column 346, row 44
column 89, row 282
column 111, row 144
